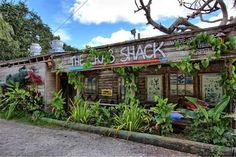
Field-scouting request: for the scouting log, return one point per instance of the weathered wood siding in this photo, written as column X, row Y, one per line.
column 106, row 79
column 50, row 85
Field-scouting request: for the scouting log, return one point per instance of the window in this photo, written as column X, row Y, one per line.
column 90, row 85
column 181, row 84
column 154, row 86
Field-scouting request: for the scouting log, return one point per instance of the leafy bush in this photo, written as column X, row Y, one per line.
column 58, row 105
column 35, row 101
column 162, row 112
column 80, row 111
column 132, row 117
column 14, row 99
column 211, row 126
column 101, row 116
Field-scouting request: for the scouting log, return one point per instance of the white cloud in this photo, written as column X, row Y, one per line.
column 111, row 11
column 64, row 36
column 118, row 36
column 231, row 12
column 123, row 35
column 148, row 31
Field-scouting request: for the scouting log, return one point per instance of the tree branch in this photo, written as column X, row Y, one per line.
column 200, row 8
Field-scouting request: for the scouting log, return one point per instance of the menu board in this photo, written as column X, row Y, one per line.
column 211, row 89
column 154, row 86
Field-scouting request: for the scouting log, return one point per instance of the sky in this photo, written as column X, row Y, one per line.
column 100, row 22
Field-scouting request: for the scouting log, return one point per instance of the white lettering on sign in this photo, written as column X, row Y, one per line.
column 141, row 53
column 128, row 53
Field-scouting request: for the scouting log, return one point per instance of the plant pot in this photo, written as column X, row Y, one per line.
column 35, row 49
column 57, row 46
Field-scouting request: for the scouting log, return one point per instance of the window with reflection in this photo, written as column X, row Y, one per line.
column 181, row 84
column 90, row 85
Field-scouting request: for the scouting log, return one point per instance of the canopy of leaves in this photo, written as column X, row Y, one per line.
column 23, row 27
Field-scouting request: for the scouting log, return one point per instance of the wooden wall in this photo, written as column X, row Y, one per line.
column 50, row 85
column 106, row 79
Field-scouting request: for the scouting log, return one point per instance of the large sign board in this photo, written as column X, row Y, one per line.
column 134, row 54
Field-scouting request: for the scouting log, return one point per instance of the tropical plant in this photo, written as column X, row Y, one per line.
column 93, row 53
column 211, row 126
column 75, row 79
column 129, row 75
column 80, row 111
column 58, row 105
column 133, row 117
column 35, row 101
column 14, row 99
column 162, row 115
column 101, row 115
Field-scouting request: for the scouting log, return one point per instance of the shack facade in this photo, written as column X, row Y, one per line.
column 102, row 83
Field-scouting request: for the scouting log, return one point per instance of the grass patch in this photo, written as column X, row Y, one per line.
column 25, row 118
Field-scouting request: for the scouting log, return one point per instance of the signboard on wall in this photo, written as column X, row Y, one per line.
column 106, row 92
column 211, row 89
column 150, row 52
column 154, row 86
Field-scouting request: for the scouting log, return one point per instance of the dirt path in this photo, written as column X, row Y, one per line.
column 18, row 139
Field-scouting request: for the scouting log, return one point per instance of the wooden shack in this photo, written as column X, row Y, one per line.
column 102, row 83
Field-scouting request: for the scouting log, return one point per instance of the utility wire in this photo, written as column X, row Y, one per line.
column 70, row 16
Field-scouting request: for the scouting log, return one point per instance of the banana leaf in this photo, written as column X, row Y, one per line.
column 219, row 108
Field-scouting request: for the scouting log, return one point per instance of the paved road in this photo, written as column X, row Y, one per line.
column 17, row 139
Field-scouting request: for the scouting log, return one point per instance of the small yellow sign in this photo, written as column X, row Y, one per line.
column 106, row 92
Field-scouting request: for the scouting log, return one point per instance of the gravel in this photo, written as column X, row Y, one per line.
column 18, row 139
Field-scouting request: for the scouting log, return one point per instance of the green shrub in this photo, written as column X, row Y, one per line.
column 100, row 115
column 58, row 105
column 211, row 126
column 133, row 117
column 35, row 101
column 14, row 99
column 162, row 115
column 80, row 111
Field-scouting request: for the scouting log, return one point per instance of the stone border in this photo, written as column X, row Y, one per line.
column 187, row 146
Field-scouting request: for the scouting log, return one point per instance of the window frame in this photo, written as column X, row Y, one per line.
column 87, row 89
column 177, row 85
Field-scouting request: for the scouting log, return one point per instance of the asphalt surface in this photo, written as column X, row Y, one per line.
column 18, row 139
